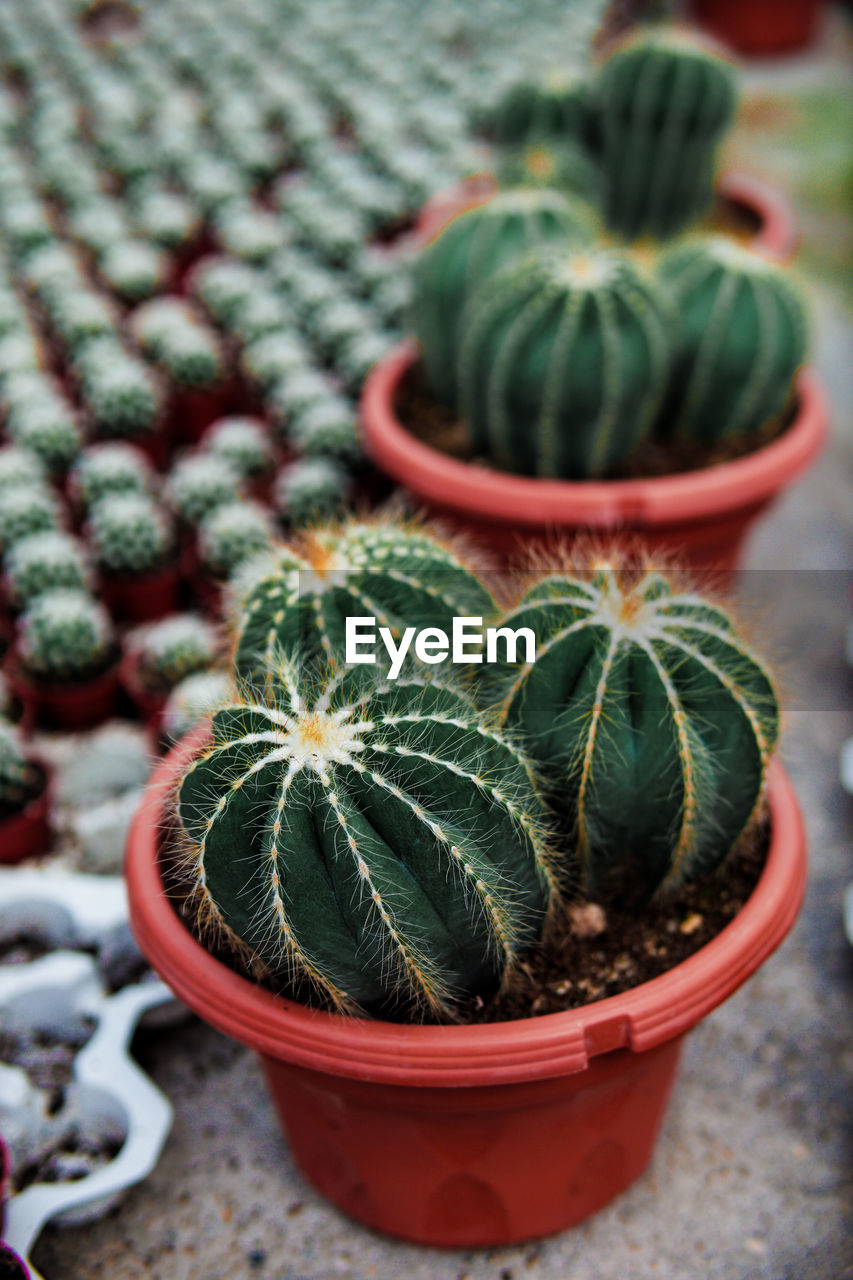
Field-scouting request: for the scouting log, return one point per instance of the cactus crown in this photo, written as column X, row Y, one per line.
column 662, row 102
column 108, row 468
column 391, row 841
column 399, row 574
column 120, row 391
column 199, row 483
column 241, row 441
column 654, row 718
column 17, row 775
column 311, row 489
column 231, row 533
column 65, row 636
column 19, row 468
column 129, row 533
column 134, row 269
column 743, row 338
column 49, row 429
column 474, row 246
column 169, row 650
column 565, row 361
column 542, row 162
column 42, row 562
column 25, row 510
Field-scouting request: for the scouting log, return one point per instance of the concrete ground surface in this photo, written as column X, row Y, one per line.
column 753, row 1175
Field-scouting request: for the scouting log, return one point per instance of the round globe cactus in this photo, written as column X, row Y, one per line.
column 108, row 468
column 120, row 392
column 133, row 269
column 79, row 316
column 191, row 356
column 229, row 534
column 244, row 442
column 651, row 715
column 48, row 428
column 299, row 599
column 223, row 286
column 167, row 219
column 20, row 468
column 661, row 105
column 193, row 699
column 565, row 361
column 556, row 107
column 44, row 562
column 18, row 777
column 743, row 337
column 328, row 428
column 167, row 651
column 470, row 250
column 129, row 534
column 24, row 511
column 311, row 489
column 387, row 839
column 200, row 482
column 274, row 356
column 65, row 637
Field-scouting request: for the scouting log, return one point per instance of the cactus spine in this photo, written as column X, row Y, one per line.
column 655, row 721
column 565, row 362
column 662, row 103
column 743, row 338
column 473, row 247
column 389, row 842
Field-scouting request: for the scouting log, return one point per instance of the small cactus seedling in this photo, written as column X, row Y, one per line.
column 244, row 442
column 133, row 269
column 662, row 103
column 109, row 468
column 199, row 483
column 377, row 846
column 65, row 637
column 231, row 534
column 328, row 428
column 169, row 650
column 274, row 356
column 18, row 777
column 49, row 429
column 23, row 511
column 564, row 363
column 743, row 338
column 310, row 490
column 20, row 469
column 193, row 699
column 474, row 246
column 401, row 574
column 167, row 219
column 43, row 562
column 80, row 316
column 556, row 108
column 129, row 534
column 223, row 286
column 121, row 393
column 653, row 718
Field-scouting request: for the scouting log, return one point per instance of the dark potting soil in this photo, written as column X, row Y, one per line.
column 438, row 426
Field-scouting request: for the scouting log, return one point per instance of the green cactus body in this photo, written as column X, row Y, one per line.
column 311, row 489
column 17, row 776
column 20, row 469
column 49, row 429
column 109, row 468
column 43, row 562
column 378, row 845
column 230, row 534
column 169, row 650
column 662, row 103
column 743, row 338
column 65, row 636
column 474, row 246
column 23, row 511
column 565, row 362
column 199, row 483
column 129, row 534
column 401, row 575
column 557, row 108
column 654, row 720
column 134, row 269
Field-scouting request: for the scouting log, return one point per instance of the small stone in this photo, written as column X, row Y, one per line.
column 587, row 919
column 691, row 924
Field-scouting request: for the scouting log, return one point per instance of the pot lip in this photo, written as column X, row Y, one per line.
column 454, row 1055
column 687, row 498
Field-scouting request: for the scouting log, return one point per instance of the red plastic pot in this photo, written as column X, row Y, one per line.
column 148, row 704
column 141, row 597
column 27, row 834
column 468, row 1135
column 776, row 232
column 761, row 27
column 701, row 516
column 66, row 706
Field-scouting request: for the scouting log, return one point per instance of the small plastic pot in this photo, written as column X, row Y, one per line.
column 141, row 597
column 776, row 233
column 69, row 707
column 702, row 517
column 761, row 28
column 27, row 834
column 467, row 1135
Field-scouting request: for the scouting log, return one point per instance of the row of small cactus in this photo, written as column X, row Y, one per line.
column 403, row 841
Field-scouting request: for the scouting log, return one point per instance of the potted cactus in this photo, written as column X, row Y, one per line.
column 44, row 562
column 108, row 468
column 64, row 663
column 348, row 842
column 24, row 799
column 133, row 547
column 159, row 655
column 227, row 537
column 580, row 394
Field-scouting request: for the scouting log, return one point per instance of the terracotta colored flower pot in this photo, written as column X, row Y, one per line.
column 144, row 597
column 66, row 706
column 761, row 27
column 701, row 516
column 776, row 233
column 27, row 834
column 468, row 1135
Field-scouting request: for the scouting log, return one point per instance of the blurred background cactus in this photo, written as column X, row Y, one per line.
column 167, row 651
column 65, row 637
column 129, row 534
column 43, row 562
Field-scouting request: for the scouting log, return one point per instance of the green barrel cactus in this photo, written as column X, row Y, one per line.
column 565, row 361
column 376, row 845
column 23, row 511
column 661, row 104
column 743, row 337
column 129, row 534
column 244, row 442
column 43, row 562
column 300, row 600
column 471, row 249
column 311, row 489
column 200, row 482
column 556, row 107
column 167, row 651
column 20, row 469
column 65, row 637
column 18, row 777
column 654, row 721
column 232, row 533
column 107, row 468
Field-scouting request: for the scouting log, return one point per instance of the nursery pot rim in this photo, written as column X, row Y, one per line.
column 454, row 1055
column 656, row 502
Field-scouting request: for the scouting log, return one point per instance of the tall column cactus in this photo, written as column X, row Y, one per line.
column 555, row 107
column 473, row 247
column 654, row 720
column 300, row 599
column 565, row 361
column 743, row 338
column 379, row 845
column 661, row 103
